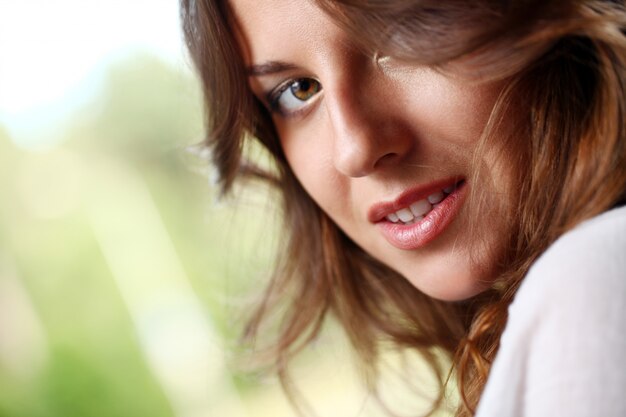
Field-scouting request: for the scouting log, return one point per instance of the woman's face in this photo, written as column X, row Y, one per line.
column 384, row 148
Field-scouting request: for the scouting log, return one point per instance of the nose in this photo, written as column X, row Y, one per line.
column 368, row 135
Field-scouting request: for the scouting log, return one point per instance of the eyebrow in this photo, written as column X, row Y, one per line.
column 268, row 68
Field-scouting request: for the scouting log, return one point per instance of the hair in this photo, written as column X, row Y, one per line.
column 563, row 63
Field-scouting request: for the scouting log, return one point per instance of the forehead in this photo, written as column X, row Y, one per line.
column 282, row 30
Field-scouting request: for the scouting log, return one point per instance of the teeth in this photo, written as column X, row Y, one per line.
column 405, row 215
column 418, row 210
column 435, row 198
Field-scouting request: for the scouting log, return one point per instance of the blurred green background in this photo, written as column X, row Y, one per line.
column 124, row 282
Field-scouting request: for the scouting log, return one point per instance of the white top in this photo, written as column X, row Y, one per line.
column 563, row 351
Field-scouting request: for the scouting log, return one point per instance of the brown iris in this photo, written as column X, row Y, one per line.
column 305, row 88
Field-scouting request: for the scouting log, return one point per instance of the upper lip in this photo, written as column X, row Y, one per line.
column 379, row 211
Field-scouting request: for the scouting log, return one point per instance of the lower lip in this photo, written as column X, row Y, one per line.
column 417, row 235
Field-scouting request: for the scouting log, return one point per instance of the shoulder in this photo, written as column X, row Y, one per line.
column 588, row 263
column 602, row 238
column 572, row 304
column 562, row 351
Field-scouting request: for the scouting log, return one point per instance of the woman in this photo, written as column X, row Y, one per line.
column 441, row 164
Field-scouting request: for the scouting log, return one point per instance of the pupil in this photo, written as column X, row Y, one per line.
column 303, row 89
column 304, row 85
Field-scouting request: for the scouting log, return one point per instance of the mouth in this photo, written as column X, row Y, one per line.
column 420, row 214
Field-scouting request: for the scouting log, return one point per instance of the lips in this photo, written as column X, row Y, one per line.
column 408, row 224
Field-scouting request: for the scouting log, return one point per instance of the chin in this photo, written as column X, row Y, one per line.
column 449, row 284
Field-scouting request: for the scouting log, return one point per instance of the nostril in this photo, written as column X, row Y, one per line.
column 387, row 159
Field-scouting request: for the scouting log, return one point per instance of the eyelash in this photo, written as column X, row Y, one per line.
column 274, row 97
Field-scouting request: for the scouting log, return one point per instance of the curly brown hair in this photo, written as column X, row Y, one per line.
column 563, row 62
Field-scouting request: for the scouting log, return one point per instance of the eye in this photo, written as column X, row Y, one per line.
column 294, row 95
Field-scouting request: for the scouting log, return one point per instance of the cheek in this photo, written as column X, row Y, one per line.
column 310, row 159
column 472, row 114
column 454, row 109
